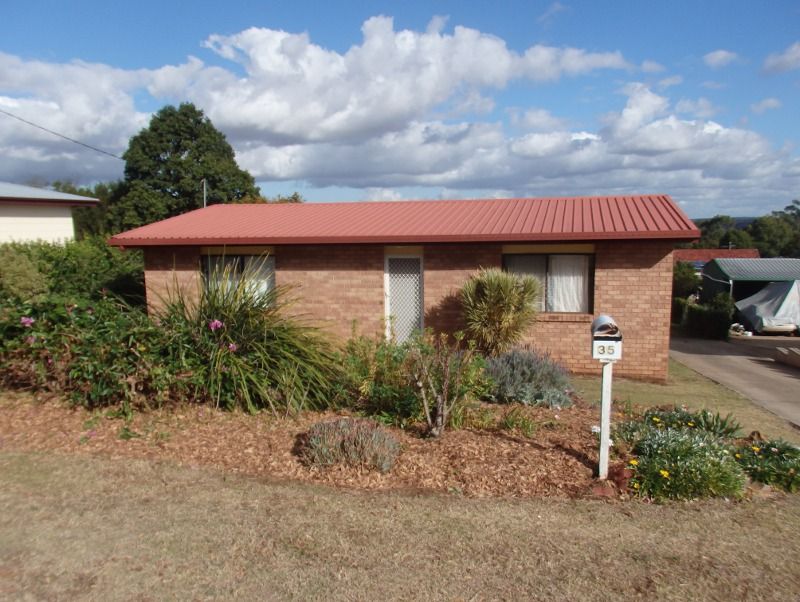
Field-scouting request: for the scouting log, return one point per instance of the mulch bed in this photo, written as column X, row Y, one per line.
column 558, row 460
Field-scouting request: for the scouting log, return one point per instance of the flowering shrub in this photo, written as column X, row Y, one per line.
column 528, row 377
column 355, row 442
column 773, row 462
column 677, row 418
column 684, row 464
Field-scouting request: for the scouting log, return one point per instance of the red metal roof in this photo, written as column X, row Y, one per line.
column 393, row 222
column 709, row 254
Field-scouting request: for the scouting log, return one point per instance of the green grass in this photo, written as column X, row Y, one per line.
column 77, row 527
column 687, row 387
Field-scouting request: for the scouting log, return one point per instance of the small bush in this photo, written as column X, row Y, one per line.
column 773, row 462
column 684, row 464
column 20, row 278
column 678, row 314
column 376, row 380
column 516, row 420
column 355, row 442
column 708, row 322
column 684, row 280
column 676, row 418
column 498, row 307
column 528, row 377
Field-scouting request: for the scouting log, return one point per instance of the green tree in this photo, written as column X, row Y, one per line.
column 165, row 166
column 773, row 236
column 712, row 230
column 91, row 221
column 736, row 239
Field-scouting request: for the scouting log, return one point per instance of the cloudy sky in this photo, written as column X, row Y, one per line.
column 386, row 100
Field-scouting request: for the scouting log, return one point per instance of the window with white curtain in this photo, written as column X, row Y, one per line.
column 566, row 279
column 259, row 268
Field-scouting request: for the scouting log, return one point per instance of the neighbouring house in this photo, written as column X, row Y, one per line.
column 700, row 257
column 742, row 278
column 28, row 213
column 361, row 263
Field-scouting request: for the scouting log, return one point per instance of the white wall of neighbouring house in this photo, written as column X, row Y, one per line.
column 50, row 223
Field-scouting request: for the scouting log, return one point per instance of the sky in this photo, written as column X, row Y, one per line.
column 361, row 100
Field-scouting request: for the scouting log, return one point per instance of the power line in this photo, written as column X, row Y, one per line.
column 36, row 125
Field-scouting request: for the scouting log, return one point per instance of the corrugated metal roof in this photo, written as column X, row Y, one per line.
column 18, row 192
column 760, row 270
column 500, row 220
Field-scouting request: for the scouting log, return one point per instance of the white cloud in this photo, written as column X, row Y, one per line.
column 766, row 105
column 400, row 109
column 668, row 82
column 787, row 60
column 547, row 17
column 381, row 194
column 537, row 119
column 719, row 58
column 701, row 107
column 712, row 85
column 651, row 67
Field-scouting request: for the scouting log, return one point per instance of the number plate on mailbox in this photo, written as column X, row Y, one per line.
column 606, row 350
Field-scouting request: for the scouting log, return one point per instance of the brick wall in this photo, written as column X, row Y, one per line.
column 336, row 285
column 168, row 270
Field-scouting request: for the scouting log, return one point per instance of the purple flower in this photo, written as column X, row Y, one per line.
column 26, row 321
column 232, row 347
column 30, row 340
column 215, row 325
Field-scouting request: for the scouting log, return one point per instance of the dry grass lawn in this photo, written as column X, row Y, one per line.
column 87, row 528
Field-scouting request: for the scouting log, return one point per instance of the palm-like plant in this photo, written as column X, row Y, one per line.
column 498, row 307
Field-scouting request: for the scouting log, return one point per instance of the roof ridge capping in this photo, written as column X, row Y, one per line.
column 420, row 221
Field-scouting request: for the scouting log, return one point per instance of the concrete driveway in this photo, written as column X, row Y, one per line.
column 747, row 369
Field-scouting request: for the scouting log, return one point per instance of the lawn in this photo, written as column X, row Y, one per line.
column 687, row 387
column 76, row 527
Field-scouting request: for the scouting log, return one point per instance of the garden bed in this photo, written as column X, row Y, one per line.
column 558, row 460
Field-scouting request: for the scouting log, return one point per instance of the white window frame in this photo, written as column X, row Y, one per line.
column 387, row 303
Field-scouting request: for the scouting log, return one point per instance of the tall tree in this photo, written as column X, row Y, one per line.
column 773, row 236
column 165, row 166
column 91, row 221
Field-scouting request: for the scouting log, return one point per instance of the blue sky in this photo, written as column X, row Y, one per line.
column 387, row 100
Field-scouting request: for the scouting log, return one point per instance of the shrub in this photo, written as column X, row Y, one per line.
column 684, row 464
column 355, row 442
column 706, row 321
column 20, row 278
column 443, row 374
column 773, row 462
column 101, row 353
column 528, row 377
column 376, row 380
column 678, row 314
column 684, row 280
column 677, row 418
column 498, row 308
column 245, row 351
column 515, row 419
column 89, row 268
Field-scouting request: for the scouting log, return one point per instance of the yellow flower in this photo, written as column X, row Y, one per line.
column 634, row 462
column 664, row 473
column 756, row 449
column 636, row 485
column 690, row 423
column 738, row 455
column 656, row 419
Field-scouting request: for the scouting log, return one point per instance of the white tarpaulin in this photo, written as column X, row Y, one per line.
column 776, row 305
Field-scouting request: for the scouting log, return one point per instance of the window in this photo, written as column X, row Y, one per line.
column 260, row 268
column 566, row 279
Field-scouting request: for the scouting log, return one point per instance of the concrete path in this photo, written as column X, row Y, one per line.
column 747, row 369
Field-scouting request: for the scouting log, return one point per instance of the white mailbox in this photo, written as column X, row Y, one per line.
column 606, row 347
column 606, row 339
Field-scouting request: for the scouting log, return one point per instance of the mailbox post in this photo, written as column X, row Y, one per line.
column 606, row 347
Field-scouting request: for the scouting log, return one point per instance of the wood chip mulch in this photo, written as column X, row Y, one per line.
column 558, row 460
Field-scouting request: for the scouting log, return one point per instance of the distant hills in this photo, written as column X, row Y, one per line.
column 741, row 222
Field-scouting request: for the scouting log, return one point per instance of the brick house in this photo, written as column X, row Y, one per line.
column 365, row 262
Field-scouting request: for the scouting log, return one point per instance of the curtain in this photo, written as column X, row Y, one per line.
column 530, row 265
column 568, row 284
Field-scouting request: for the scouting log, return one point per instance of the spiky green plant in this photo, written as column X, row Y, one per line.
column 498, row 308
column 246, row 350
